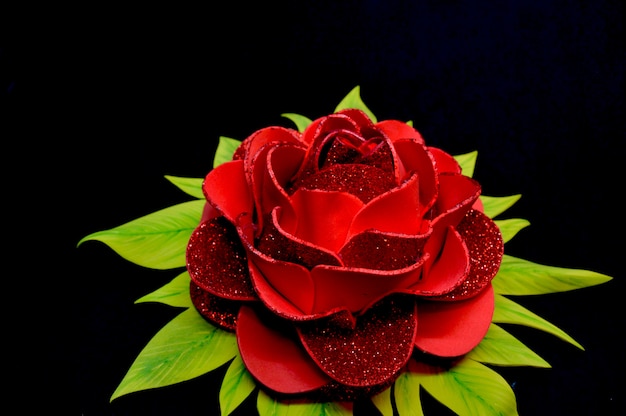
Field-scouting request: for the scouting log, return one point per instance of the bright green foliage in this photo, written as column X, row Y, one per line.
column 509, row 312
column 382, row 401
column 191, row 186
column 299, row 120
column 510, row 227
column 237, row 385
column 175, row 293
column 496, row 205
column 187, row 347
column 269, row 406
column 522, row 277
column 467, row 161
column 225, row 150
column 469, row 388
column 157, row 240
column 353, row 100
column 501, row 348
column 406, row 390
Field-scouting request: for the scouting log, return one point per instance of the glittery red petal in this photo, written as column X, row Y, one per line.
column 485, row 247
column 319, row 221
column 398, row 130
column 382, row 251
column 451, row 329
column 363, row 181
column 271, row 352
column 226, row 189
column 357, row 289
column 372, row 353
column 394, row 211
column 216, row 260
column 219, row 311
column 445, row 162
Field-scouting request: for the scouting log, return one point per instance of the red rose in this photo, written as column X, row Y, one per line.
column 336, row 253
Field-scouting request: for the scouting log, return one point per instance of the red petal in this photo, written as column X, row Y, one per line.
column 416, row 158
column 323, row 217
column 260, row 138
column 216, row 260
column 273, row 355
column 398, row 130
column 280, row 245
column 226, row 188
column 357, row 289
column 444, row 162
column 394, row 211
column 448, row 270
column 372, row 353
column 451, row 329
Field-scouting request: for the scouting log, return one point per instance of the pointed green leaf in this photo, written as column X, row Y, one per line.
column 470, row 388
column 191, row 186
column 501, row 348
column 406, row 390
column 382, row 401
column 157, row 240
column 175, row 293
column 353, row 100
column 467, row 162
column 509, row 312
column 522, row 277
column 300, row 121
column 187, row 347
column 237, row 385
column 269, row 406
column 496, row 205
column 510, row 227
column 225, row 150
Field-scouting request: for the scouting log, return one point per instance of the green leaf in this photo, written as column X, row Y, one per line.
column 509, row 312
column 501, row 348
column 237, row 385
column 268, row 406
column 406, row 390
column 300, row 121
column 469, row 388
column 496, row 205
column 157, row 240
column 175, row 293
column 510, row 227
column 382, row 401
column 467, row 162
column 191, row 186
column 225, row 150
column 353, row 100
column 187, row 347
column 522, row 277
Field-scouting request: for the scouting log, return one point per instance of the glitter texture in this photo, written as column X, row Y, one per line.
column 220, row 311
column 373, row 352
column 484, row 242
column 217, row 262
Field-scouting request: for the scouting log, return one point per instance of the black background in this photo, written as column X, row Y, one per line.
column 103, row 101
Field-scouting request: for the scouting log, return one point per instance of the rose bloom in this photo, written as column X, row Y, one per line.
column 338, row 253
